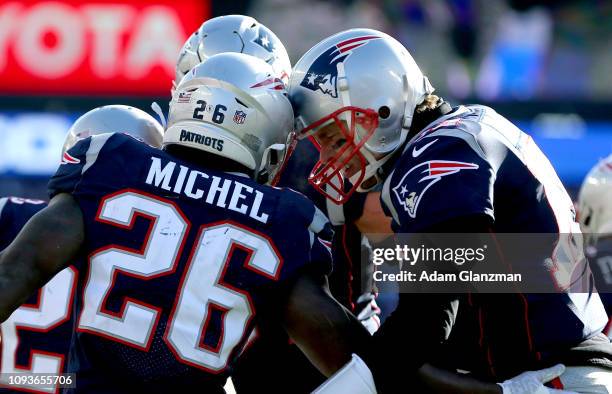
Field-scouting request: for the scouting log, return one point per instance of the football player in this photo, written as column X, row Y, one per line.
column 448, row 170
column 233, row 33
column 595, row 215
column 36, row 337
column 184, row 252
column 243, row 34
column 270, row 348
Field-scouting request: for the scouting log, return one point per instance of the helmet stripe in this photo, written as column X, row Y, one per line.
column 347, row 42
column 348, row 48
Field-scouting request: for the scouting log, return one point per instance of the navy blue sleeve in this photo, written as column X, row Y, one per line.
column 447, row 181
column 321, row 244
column 306, row 228
column 76, row 163
column 601, row 266
column 14, row 214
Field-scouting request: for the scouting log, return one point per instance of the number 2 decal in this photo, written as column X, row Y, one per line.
column 218, row 115
column 202, row 291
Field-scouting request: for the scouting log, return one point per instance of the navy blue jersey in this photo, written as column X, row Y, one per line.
column 181, row 263
column 347, row 283
column 473, row 162
column 36, row 337
column 294, row 373
column 601, row 263
column 14, row 214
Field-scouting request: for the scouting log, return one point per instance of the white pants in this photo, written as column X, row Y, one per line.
column 588, row 380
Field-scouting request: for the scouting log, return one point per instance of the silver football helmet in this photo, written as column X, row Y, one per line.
column 115, row 119
column 233, row 33
column 234, row 106
column 595, row 202
column 367, row 83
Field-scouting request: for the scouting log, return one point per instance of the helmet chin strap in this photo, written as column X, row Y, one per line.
column 157, row 109
column 374, row 164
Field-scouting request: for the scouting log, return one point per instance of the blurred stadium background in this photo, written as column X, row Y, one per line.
column 544, row 64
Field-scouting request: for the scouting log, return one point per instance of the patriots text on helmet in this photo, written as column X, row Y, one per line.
column 201, row 139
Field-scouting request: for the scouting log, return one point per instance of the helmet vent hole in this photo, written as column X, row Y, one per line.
column 240, row 102
column 384, row 112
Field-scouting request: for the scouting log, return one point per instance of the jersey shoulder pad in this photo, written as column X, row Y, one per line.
column 309, row 223
column 102, row 149
column 438, row 177
column 302, row 211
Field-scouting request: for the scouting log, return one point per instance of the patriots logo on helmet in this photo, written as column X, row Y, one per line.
column 409, row 191
column 323, row 73
column 67, row 158
column 326, row 244
column 264, row 41
column 271, row 83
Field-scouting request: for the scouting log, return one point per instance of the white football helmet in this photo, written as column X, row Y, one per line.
column 115, row 119
column 595, row 202
column 232, row 105
column 233, row 33
column 368, row 84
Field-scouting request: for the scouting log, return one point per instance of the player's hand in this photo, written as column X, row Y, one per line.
column 532, row 382
column 367, row 312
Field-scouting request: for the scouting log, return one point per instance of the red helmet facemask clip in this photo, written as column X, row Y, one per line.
column 290, row 144
column 326, row 176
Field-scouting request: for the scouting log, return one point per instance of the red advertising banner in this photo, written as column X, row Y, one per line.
column 79, row 47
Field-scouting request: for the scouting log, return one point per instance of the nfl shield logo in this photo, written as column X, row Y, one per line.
column 239, row 117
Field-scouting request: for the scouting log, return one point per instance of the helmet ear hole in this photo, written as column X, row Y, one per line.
column 384, row 112
column 274, row 158
column 587, row 220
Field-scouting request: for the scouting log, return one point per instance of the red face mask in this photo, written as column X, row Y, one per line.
column 326, row 176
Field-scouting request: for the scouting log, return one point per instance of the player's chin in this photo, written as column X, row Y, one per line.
column 369, row 183
column 350, row 170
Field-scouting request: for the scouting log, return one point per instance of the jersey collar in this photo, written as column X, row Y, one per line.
column 457, row 111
